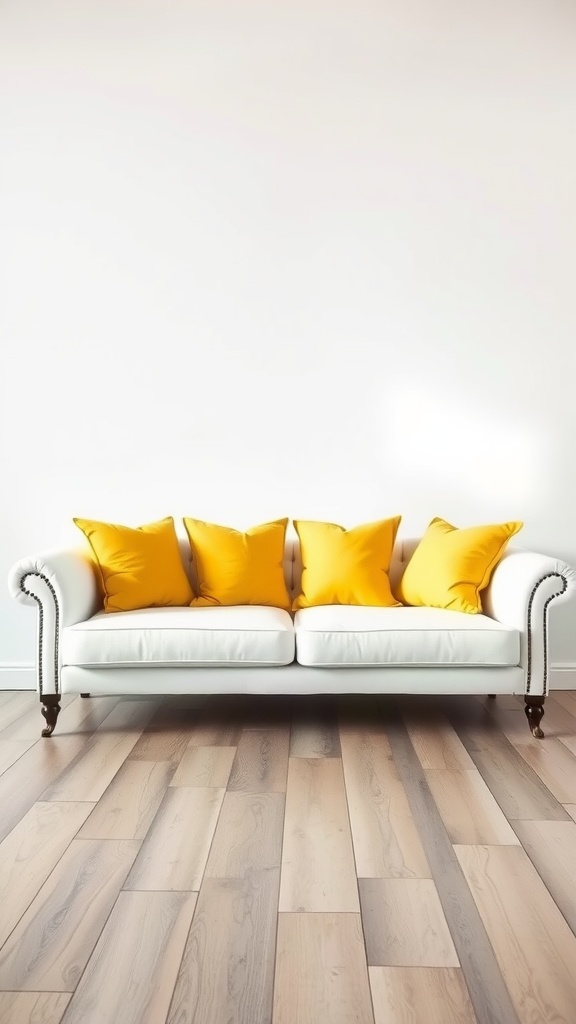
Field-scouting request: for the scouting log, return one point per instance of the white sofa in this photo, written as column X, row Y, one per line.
column 328, row 649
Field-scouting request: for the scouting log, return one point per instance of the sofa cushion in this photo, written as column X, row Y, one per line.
column 339, row 635
column 182, row 636
column 138, row 568
column 450, row 567
column 234, row 568
column 346, row 566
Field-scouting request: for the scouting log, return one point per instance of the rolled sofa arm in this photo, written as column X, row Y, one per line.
column 62, row 585
column 521, row 590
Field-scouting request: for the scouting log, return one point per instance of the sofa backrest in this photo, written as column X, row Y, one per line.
column 402, row 553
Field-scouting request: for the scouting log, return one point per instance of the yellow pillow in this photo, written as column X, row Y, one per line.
column 450, row 567
column 346, row 566
column 239, row 568
column 139, row 568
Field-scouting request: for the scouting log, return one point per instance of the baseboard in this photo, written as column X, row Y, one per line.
column 562, row 677
column 17, row 677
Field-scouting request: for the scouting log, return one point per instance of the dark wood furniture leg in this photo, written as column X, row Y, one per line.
column 534, row 711
column 50, row 709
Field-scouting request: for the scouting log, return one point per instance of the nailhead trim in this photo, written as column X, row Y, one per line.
column 552, row 597
column 34, row 597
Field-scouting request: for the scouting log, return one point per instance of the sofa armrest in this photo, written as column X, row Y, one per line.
column 521, row 590
column 62, row 585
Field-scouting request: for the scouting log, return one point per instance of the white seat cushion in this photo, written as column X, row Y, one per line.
column 342, row 635
column 244, row 635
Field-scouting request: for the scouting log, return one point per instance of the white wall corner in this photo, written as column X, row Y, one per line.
column 17, row 677
column 562, row 676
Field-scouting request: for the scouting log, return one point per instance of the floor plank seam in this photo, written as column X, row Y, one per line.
column 543, row 880
column 280, row 861
column 491, row 1002
column 28, row 905
column 356, row 871
column 184, row 947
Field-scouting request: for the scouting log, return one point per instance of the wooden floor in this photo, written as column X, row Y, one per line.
column 287, row 861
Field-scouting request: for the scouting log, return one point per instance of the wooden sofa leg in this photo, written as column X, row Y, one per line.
column 534, row 710
column 50, row 709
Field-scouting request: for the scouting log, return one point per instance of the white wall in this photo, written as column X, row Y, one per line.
column 286, row 257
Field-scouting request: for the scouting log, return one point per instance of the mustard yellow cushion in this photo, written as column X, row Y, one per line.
column 450, row 567
column 139, row 568
column 239, row 568
column 346, row 566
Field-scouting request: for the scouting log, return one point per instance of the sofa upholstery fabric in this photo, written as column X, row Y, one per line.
column 244, row 635
column 338, row 635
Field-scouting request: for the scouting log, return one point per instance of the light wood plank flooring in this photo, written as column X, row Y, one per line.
column 246, row 860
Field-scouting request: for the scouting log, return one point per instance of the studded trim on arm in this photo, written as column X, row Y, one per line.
column 30, row 593
column 552, row 597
